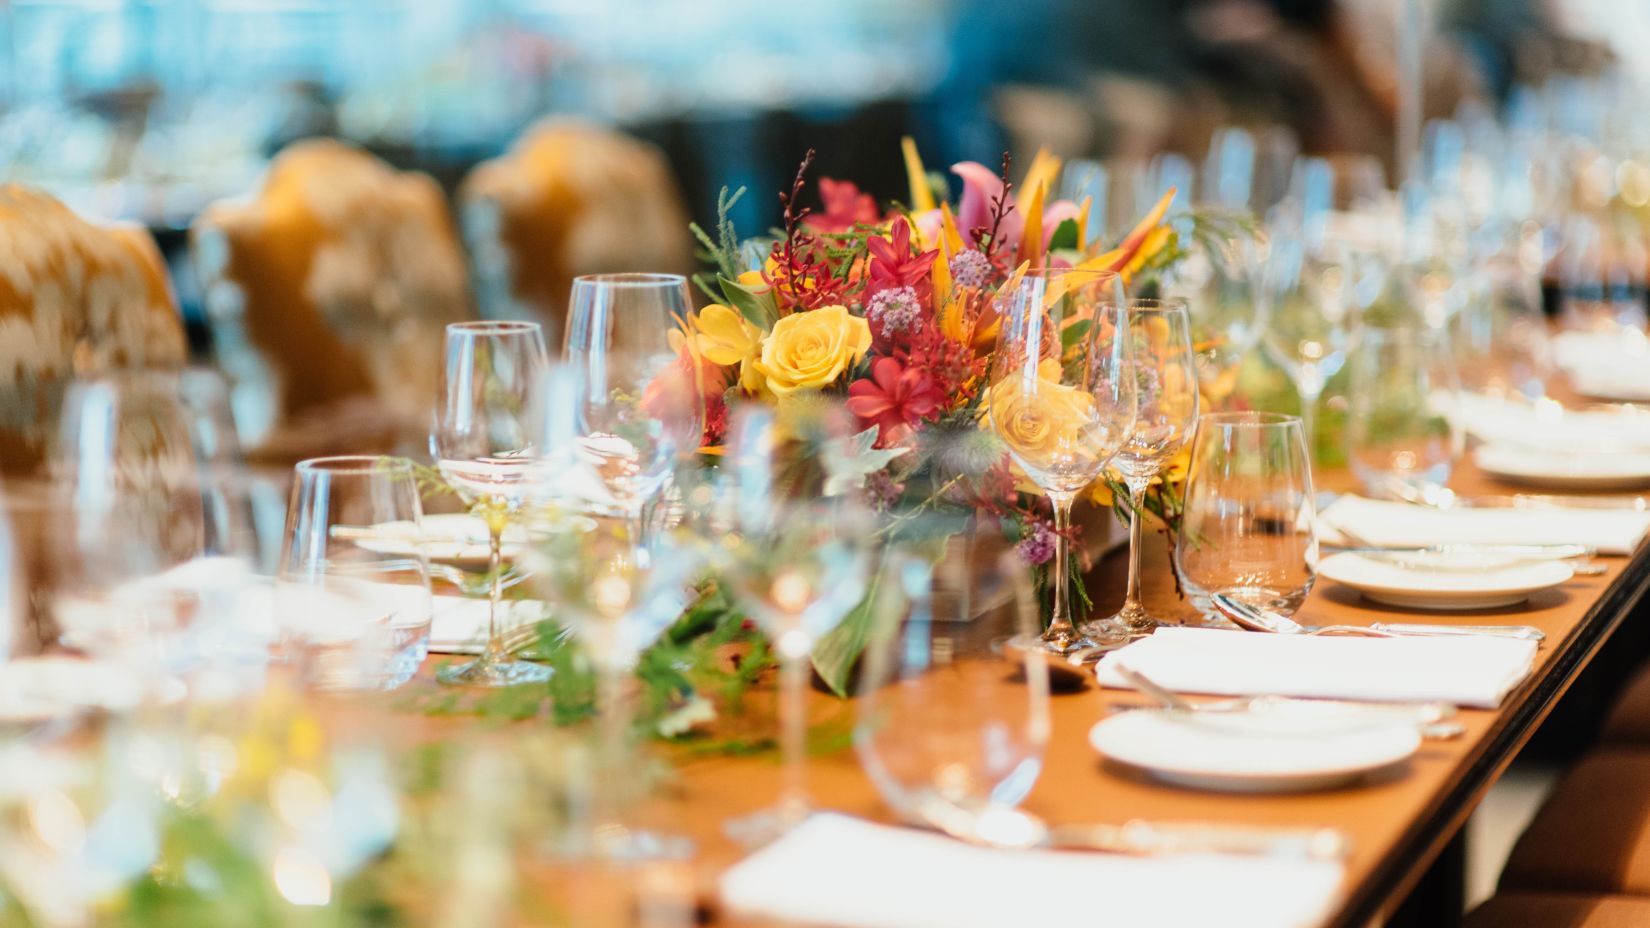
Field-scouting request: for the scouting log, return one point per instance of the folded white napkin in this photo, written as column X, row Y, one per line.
column 840, row 871
column 459, row 625
column 1466, row 671
column 1499, row 421
column 1379, row 522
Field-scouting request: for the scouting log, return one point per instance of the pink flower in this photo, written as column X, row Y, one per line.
column 894, row 265
column 981, row 188
column 894, row 398
column 845, row 207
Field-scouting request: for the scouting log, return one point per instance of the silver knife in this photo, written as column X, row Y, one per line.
column 1145, row 838
column 1521, row 632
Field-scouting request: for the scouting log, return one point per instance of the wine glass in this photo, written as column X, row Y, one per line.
column 1248, row 528
column 1062, row 412
column 946, row 729
column 1313, row 305
column 150, row 561
column 617, row 594
column 1160, row 349
column 1500, row 336
column 797, row 554
column 1403, row 433
column 642, row 407
column 1222, row 284
column 485, row 444
column 352, row 616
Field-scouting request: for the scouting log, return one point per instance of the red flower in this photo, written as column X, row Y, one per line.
column 894, row 399
column 845, row 207
column 894, row 265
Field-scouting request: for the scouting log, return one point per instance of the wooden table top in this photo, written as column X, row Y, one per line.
column 1397, row 824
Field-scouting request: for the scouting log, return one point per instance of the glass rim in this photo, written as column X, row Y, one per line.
column 355, row 465
column 632, row 279
column 1249, row 419
column 493, row 326
column 1095, row 273
column 1147, row 305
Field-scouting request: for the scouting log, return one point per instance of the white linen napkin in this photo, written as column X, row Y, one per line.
column 1466, row 671
column 459, row 625
column 1379, row 522
column 849, row 873
column 1614, row 365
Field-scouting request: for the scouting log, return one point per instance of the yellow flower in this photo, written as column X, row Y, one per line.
column 1043, row 421
column 724, row 336
column 808, row 350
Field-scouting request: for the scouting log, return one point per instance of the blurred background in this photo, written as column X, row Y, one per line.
column 149, row 110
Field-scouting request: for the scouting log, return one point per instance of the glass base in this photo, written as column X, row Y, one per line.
column 482, row 672
column 1126, row 624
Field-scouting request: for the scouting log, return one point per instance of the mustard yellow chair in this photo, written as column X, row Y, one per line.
column 76, row 299
column 569, row 199
column 327, row 293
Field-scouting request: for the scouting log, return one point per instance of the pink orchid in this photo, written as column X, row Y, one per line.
column 981, row 188
column 894, row 398
column 845, row 207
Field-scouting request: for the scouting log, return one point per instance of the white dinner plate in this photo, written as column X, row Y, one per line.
column 1567, row 469
column 1293, row 746
column 1444, row 581
column 456, row 538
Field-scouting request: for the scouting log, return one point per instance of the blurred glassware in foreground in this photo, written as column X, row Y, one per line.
column 152, row 558
column 1249, row 525
column 797, row 557
column 1063, row 420
column 1165, row 375
column 351, row 617
column 1403, row 429
column 486, row 445
column 947, row 729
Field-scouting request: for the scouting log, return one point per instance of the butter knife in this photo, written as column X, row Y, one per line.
column 1144, row 838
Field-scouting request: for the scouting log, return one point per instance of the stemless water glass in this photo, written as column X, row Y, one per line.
column 351, row 615
column 150, row 559
column 1160, row 349
column 485, row 444
column 1249, row 526
column 1062, row 412
column 642, row 408
column 1403, row 432
column 797, row 557
column 947, row 729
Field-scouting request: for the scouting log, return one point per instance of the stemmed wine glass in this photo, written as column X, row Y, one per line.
column 1403, row 430
column 1222, row 284
column 1062, row 413
column 1249, row 527
column 798, row 551
column 1160, row 348
column 641, row 403
column 485, row 445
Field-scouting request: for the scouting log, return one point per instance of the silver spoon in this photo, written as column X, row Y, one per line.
column 1256, row 619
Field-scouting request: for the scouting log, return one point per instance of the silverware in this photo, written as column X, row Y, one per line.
column 1433, row 719
column 1256, row 619
column 1553, row 552
column 1019, row 830
column 1522, row 632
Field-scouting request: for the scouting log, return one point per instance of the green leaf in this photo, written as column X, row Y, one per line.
column 757, row 308
column 835, row 654
column 1065, row 236
column 1073, row 334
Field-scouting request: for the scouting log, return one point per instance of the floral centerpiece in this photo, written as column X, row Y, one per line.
column 892, row 309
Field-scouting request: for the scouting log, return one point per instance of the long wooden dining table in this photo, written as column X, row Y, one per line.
column 1397, row 823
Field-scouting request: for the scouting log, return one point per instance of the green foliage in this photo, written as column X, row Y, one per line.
column 1065, row 236
column 723, row 250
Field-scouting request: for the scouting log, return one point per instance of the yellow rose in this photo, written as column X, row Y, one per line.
column 724, row 336
column 808, row 350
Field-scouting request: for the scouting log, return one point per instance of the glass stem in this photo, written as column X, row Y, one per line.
column 1060, row 631
column 613, row 783
column 793, row 711
column 1310, row 393
column 1137, row 500
column 495, row 653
